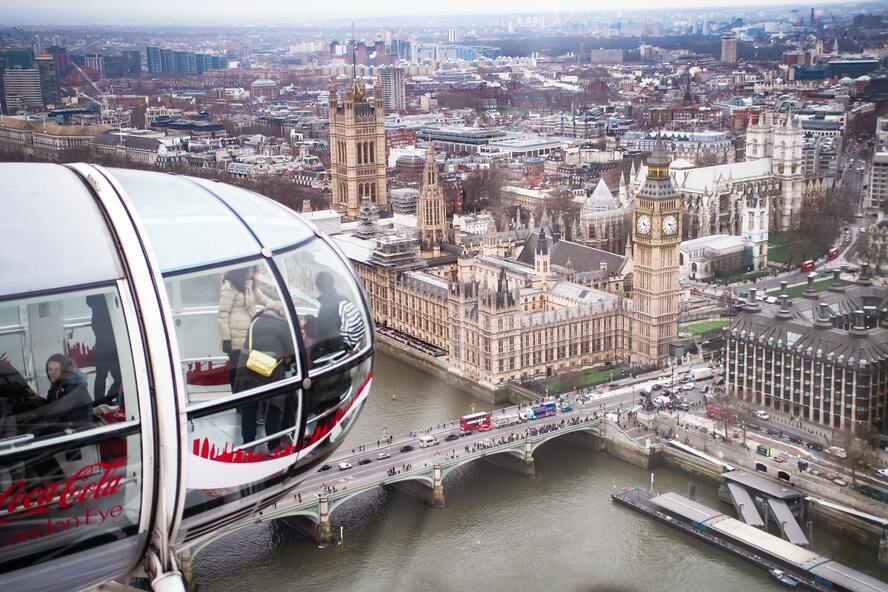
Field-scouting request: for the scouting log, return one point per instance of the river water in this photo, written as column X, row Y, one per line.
column 499, row 532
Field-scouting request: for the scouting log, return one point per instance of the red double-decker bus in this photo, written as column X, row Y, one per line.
column 720, row 413
column 832, row 254
column 476, row 421
column 808, row 265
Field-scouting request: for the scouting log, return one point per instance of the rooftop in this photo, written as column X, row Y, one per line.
column 762, row 485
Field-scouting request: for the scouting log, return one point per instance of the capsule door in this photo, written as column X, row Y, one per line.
column 76, row 443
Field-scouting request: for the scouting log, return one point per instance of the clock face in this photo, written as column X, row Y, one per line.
column 670, row 225
column 643, row 224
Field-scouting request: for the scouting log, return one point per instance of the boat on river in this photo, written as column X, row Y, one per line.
column 783, row 578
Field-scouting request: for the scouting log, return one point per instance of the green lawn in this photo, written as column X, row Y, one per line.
column 796, row 291
column 784, row 248
column 705, row 326
column 569, row 381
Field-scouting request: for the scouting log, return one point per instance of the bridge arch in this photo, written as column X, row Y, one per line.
column 423, row 478
column 535, row 444
column 517, row 452
column 259, row 518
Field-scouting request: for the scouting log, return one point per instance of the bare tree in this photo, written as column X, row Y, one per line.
column 739, row 412
column 857, row 449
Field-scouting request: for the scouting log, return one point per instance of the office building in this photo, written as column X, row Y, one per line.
column 16, row 58
column 95, row 62
column 606, row 56
column 116, row 66
column 729, row 49
column 167, row 63
column 818, row 358
column 133, row 62
column 877, row 196
column 152, row 55
column 49, row 79
column 393, row 88
column 21, row 90
column 60, row 55
column 881, row 134
column 184, row 62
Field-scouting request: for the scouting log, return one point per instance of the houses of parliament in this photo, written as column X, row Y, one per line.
column 508, row 305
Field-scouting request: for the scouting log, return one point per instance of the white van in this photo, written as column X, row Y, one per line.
column 426, row 441
column 837, row 452
column 761, row 414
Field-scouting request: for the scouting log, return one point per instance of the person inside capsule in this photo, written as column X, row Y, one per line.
column 68, row 401
column 60, row 398
column 238, row 299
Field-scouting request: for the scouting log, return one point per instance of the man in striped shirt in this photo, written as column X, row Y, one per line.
column 340, row 324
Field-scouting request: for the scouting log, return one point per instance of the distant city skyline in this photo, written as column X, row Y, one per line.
column 273, row 11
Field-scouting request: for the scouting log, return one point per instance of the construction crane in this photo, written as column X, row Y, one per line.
column 18, row 32
column 103, row 103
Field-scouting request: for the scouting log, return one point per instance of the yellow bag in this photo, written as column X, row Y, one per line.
column 260, row 362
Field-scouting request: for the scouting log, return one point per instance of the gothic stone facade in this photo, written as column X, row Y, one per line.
column 357, row 149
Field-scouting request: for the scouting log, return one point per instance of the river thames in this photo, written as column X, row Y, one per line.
column 499, row 532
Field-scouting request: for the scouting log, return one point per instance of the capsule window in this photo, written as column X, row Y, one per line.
column 328, row 304
column 233, row 330
column 65, row 365
column 70, row 449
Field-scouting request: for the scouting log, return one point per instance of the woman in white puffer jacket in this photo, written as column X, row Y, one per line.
column 237, row 307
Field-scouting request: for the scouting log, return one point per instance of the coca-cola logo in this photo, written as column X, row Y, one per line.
column 92, row 482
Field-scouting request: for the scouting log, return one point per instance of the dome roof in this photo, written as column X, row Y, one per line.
column 601, row 199
column 263, row 82
column 845, row 80
column 681, row 164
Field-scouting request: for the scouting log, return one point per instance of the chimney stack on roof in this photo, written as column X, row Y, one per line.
column 783, row 312
column 823, row 320
column 836, row 284
column 864, row 279
column 810, row 293
column 752, row 301
column 859, row 327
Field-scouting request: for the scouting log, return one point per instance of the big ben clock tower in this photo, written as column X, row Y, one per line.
column 656, row 234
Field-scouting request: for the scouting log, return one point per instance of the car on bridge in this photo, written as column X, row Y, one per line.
column 325, row 468
column 344, row 466
column 407, row 448
column 451, row 437
column 383, row 456
column 364, row 461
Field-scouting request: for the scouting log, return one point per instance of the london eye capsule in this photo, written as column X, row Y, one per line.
column 175, row 355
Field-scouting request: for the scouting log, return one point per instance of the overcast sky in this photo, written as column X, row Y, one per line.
column 239, row 11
